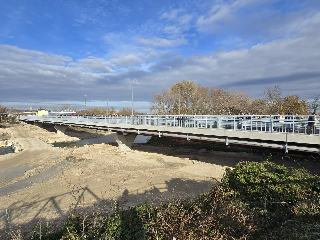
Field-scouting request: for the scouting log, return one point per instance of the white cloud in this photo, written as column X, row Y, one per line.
column 291, row 61
column 93, row 64
column 172, row 14
column 153, row 55
column 125, row 61
column 185, row 19
column 17, row 54
column 162, row 42
column 217, row 13
column 112, row 38
column 173, row 31
column 221, row 12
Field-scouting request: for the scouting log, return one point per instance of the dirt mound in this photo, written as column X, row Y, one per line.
column 44, row 181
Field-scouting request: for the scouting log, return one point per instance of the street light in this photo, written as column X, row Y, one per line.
column 85, row 104
column 107, row 108
column 179, row 101
column 132, row 99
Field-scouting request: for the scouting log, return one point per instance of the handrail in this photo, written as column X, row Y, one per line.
column 294, row 124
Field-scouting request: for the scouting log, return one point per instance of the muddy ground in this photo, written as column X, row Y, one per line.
column 43, row 182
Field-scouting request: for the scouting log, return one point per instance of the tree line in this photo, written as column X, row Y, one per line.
column 188, row 98
column 101, row 111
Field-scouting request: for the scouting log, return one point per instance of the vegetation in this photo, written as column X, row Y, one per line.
column 98, row 111
column 188, row 98
column 253, row 201
column 314, row 103
column 107, row 112
column 4, row 118
column 67, row 144
column 3, row 112
column 10, row 120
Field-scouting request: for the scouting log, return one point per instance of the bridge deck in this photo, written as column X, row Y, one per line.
column 266, row 131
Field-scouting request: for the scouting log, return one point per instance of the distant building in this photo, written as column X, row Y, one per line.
column 42, row 112
column 63, row 113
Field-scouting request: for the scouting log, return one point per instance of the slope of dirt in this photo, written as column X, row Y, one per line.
column 44, row 182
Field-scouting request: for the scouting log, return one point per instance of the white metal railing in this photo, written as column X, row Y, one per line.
column 294, row 124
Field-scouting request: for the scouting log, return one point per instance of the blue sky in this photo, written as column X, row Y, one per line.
column 53, row 51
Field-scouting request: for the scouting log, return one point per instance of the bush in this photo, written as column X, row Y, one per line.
column 12, row 120
column 286, row 201
column 265, row 185
column 254, row 201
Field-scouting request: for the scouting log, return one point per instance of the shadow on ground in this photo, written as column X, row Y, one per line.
column 213, row 153
column 174, row 189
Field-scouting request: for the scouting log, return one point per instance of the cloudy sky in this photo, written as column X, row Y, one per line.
column 56, row 51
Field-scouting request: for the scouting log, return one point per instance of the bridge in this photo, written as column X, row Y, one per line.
column 288, row 132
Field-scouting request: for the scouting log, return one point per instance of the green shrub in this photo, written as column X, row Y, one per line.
column 285, row 201
column 267, row 185
column 254, row 201
column 67, row 144
column 12, row 120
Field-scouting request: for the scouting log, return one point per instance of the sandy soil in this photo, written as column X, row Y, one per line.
column 43, row 182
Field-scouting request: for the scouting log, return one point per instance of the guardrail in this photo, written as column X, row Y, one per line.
column 294, row 124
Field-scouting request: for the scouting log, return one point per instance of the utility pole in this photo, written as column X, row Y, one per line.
column 107, row 109
column 132, row 99
column 179, row 101
column 85, row 104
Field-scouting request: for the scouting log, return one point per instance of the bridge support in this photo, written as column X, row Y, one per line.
column 60, row 129
column 124, row 140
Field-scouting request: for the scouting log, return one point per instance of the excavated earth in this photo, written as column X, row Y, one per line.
column 41, row 182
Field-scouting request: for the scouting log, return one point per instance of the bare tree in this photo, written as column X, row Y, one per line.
column 3, row 110
column 65, row 107
column 314, row 103
column 258, row 106
column 181, row 97
column 98, row 111
column 163, row 103
column 200, row 101
column 127, row 112
column 219, row 101
column 274, row 99
column 186, row 91
column 239, row 104
column 293, row 105
column 186, row 97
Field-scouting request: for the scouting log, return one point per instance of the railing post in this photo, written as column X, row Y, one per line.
column 206, row 121
column 293, row 124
